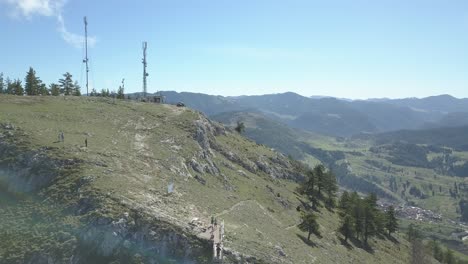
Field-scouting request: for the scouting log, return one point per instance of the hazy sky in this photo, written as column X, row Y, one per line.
column 353, row 48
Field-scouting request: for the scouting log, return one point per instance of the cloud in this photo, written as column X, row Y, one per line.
column 72, row 38
column 48, row 8
column 29, row 8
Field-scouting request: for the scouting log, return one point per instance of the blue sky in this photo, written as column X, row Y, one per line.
column 347, row 48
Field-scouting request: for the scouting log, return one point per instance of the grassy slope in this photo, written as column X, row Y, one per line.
column 135, row 150
column 258, row 126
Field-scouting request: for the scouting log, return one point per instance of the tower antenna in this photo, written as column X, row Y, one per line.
column 86, row 53
column 145, row 74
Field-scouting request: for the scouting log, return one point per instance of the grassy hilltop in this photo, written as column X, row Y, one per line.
column 115, row 190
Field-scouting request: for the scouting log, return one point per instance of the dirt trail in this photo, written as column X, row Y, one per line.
column 244, row 203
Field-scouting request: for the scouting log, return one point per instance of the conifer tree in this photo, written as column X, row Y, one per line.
column 105, row 93
column 240, row 127
column 391, row 221
column 8, row 86
column 2, row 84
column 344, row 204
column 319, row 172
column 370, row 216
column 93, row 92
column 32, row 83
column 357, row 214
column 76, row 89
column 16, row 87
column 412, row 233
column 66, row 84
column 43, row 89
column 308, row 187
column 437, row 252
column 54, row 89
column 120, row 93
column 309, row 224
column 330, row 189
column 347, row 227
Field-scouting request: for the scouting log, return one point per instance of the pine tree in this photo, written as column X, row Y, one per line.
column 2, row 84
column 54, row 89
column 66, row 84
column 344, row 204
column 309, row 224
column 32, row 82
column 308, row 187
column 120, row 93
column 43, row 89
column 93, row 92
column 240, row 128
column 105, row 93
column 76, row 89
column 16, row 87
column 412, row 233
column 357, row 214
column 391, row 223
column 347, row 227
column 319, row 172
column 371, row 219
column 330, row 189
column 8, row 86
column 437, row 252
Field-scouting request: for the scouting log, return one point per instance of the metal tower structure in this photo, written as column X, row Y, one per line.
column 86, row 54
column 145, row 74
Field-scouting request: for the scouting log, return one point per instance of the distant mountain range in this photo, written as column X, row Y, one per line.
column 336, row 117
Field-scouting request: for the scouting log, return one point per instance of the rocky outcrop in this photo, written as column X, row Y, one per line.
column 27, row 171
column 134, row 234
column 277, row 167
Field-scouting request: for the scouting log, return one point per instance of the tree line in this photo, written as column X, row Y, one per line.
column 33, row 85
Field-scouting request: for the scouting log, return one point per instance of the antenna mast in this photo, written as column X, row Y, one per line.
column 145, row 74
column 86, row 53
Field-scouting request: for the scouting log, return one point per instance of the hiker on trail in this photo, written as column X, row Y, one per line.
column 86, row 142
column 62, row 137
column 218, row 249
column 212, row 220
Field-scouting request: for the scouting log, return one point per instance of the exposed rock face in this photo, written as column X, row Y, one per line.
column 205, row 136
column 155, row 242
column 27, row 171
column 277, row 167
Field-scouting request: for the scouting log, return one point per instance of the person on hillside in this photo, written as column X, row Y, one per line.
column 218, row 250
column 86, row 142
